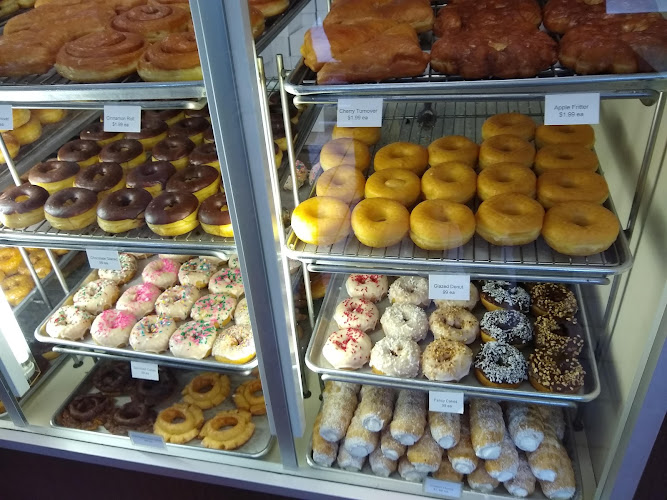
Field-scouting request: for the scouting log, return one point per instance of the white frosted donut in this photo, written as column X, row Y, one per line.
column 410, row 290
column 241, row 314
column 454, row 323
column 193, row 340
column 175, row 257
column 357, row 313
column 367, row 286
column 216, row 308
column 446, row 360
column 151, row 334
column 233, row 261
column 128, row 268
column 466, row 304
column 347, row 348
column 196, row 272
column 96, row 296
column 227, row 281
column 396, row 357
column 162, row 273
column 69, row 323
column 139, row 300
column 176, row 302
column 112, row 328
column 235, row 345
column 405, row 320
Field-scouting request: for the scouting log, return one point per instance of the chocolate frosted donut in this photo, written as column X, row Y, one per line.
column 151, row 392
column 124, row 204
column 204, row 154
column 210, row 211
column 87, row 411
column 150, row 127
column 79, row 151
column 173, row 148
column 189, row 127
column 277, row 126
column 151, row 174
column 35, row 198
column 170, row 116
column 171, row 207
column 132, row 416
column 122, row 151
column 52, row 171
column 276, row 106
column 208, row 135
column 99, row 177
column 193, row 179
column 70, row 202
column 198, row 113
column 112, row 379
column 95, row 132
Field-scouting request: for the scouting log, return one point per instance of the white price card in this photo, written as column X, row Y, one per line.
column 445, row 489
column 572, row 109
column 445, row 401
column 359, row 112
column 148, row 440
column 103, row 259
column 633, row 6
column 122, row 118
column 6, row 117
column 449, row 286
column 144, row 371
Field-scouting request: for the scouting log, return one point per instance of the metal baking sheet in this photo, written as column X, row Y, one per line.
column 258, row 445
column 325, row 325
column 87, row 346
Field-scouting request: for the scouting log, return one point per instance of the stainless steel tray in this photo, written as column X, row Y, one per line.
column 275, row 25
column 477, row 258
column 88, row 347
column 258, row 445
column 325, row 325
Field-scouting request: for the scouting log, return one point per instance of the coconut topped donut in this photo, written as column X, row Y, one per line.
column 410, row 290
column 500, row 364
column 504, row 295
column 506, row 325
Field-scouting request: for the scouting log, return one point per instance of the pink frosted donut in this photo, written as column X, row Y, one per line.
column 162, row 273
column 357, row 313
column 112, row 328
column 367, row 286
column 139, row 300
column 216, row 308
column 347, row 349
column 227, row 281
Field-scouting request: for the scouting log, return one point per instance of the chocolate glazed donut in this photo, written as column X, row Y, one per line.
column 121, row 151
column 173, row 148
column 276, row 106
column 124, row 204
column 151, row 392
column 36, row 197
column 277, row 126
column 112, row 379
column 197, row 113
column 189, row 127
column 171, row 207
column 164, row 115
column 193, row 179
column 53, row 171
column 204, row 154
column 150, row 127
column 132, row 416
column 208, row 135
column 78, row 150
column 150, row 174
column 95, row 132
column 89, row 406
column 70, row 202
column 99, row 177
column 210, row 211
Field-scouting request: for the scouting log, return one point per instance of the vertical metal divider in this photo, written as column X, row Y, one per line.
column 57, row 270
column 228, row 62
column 35, row 276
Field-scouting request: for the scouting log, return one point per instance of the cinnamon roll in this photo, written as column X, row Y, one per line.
column 153, row 22
column 174, row 58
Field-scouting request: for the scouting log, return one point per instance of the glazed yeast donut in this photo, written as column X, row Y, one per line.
column 453, row 148
column 506, row 148
column 380, row 222
column 454, row 181
column 584, row 135
column 441, row 225
column 405, row 155
column 345, row 152
column 564, row 186
column 509, row 219
column 344, row 182
column 321, row 220
column 580, row 228
column 367, row 135
column 509, row 124
column 454, row 323
column 504, row 178
column 565, row 156
column 397, row 184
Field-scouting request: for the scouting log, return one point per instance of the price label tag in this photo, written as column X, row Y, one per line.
column 359, row 112
column 6, row 117
column 572, row 109
column 633, row 6
column 122, row 118
column 445, row 401
column 449, row 286
column 149, row 440
column 445, row 489
column 144, row 371
column 103, row 259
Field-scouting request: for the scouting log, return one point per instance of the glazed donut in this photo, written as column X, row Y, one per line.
column 128, row 153
column 174, row 58
column 241, row 314
column 162, row 273
column 554, row 300
column 132, row 416
column 22, row 206
column 151, row 176
column 405, row 320
column 152, row 333
column 128, row 268
column 96, row 296
column 565, row 157
column 176, row 302
column 402, row 155
column 500, row 365
column 95, row 132
column 347, row 349
column 139, row 300
column 16, row 288
column 54, row 175
column 270, row 8
column 235, row 345
column 504, row 178
column 396, row 184
column 446, row 360
column 19, row 117
column 506, row 325
column 179, row 423
column 152, row 22
column 368, row 135
column 345, row 183
column 509, row 219
column 201, row 180
column 509, row 124
column 580, row 228
column 558, row 336
column 71, row 208
column 227, row 281
column 466, row 304
column 85, row 153
column 207, row 154
column 152, row 131
column 345, row 152
column 454, row 323
column 454, row 181
column 506, row 149
column 196, row 272
column 453, row 148
column 396, row 357
column 174, row 150
column 152, row 392
column 380, row 222
column 245, row 397
column 227, row 430
column 87, row 411
column 504, row 295
column 47, row 116
column 361, row 314
column 564, row 186
column 546, row 135
column 172, row 214
column 410, row 290
column 193, row 340
column 321, row 220
column 12, row 144
column 214, row 216
column 555, row 373
column 207, row 390
column 101, row 178
column 193, row 128
column 28, row 132
column 112, row 328
column 40, row 262
column 112, row 378
column 10, row 260
column 372, row 287
column 441, row 225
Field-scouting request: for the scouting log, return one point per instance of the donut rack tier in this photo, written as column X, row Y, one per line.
column 469, row 385
column 532, row 262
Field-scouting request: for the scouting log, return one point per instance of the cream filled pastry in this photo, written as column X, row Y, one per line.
column 176, row 302
column 357, row 313
column 347, row 348
column 112, row 328
column 152, row 333
column 138, row 300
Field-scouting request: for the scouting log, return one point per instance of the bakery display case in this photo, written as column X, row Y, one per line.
column 366, row 376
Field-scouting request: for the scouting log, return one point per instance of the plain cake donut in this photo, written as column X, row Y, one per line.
column 441, row 225
column 565, row 156
column 405, row 155
column 509, row 219
column 584, row 135
column 397, row 184
column 321, row 220
column 511, row 124
column 380, row 222
column 454, row 181
column 453, row 148
column 506, row 148
column 504, row 178
column 564, row 186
